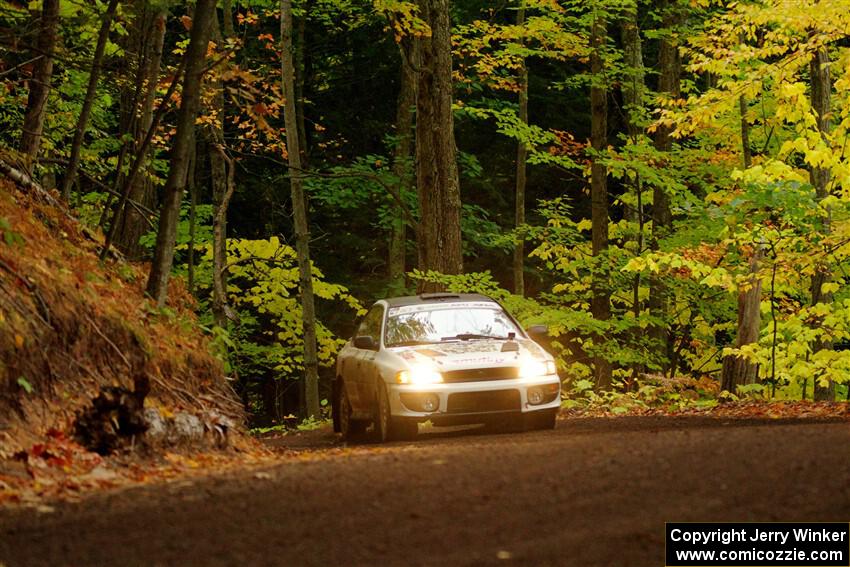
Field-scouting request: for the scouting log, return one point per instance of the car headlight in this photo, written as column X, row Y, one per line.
column 419, row 375
column 535, row 368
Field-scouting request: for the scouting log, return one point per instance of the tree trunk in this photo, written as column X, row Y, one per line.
column 181, row 147
column 222, row 184
column 820, row 178
column 141, row 154
column 192, row 185
column 299, row 213
column 135, row 47
column 131, row 225
column 669, row 84
column 227, row 18
column 39, row 84
column 300, row 80
column 600, row 305
column 737, row 370
column 745, row 133
column 633, row 88
column 438, row 236
column 88, row 101
column 521, row 156
column 402, row 171
column 221, row 310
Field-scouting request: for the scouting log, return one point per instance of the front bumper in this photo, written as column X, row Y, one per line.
column 487, row 390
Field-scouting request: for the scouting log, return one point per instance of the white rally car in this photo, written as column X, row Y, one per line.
column 449, row 358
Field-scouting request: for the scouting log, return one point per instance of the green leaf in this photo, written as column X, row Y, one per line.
column 24, row 383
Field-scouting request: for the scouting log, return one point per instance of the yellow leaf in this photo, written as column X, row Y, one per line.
column 830, row 287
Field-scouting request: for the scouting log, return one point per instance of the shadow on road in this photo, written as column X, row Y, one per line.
column 325, row 438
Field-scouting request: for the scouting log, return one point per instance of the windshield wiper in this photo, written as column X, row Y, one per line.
column 468, row 336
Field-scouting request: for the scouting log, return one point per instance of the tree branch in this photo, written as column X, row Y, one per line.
column 23, row 180
column 19, row 65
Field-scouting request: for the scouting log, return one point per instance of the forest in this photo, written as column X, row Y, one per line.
column 662, row 183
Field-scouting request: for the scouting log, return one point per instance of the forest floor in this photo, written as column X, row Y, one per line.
column 595, row 491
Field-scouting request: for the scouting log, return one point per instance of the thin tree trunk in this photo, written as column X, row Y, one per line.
column 669, row 84
column 299, row 213
column 39, row 84
column 193, row 206
column 820, row 177
column 119, row 179
column 131, row 225
column 213, row 136
column 221, row 309
column 300, row 79
column 600, row 305
column 633, row 85
column 745, row 133
column 88, row 101
column 521, row 157
column 438, row 186
column 173, row 192
column 135, row 47
column 738, row 370
column 402, row 171
column 633, row 88
column 227, row 18
column 139, row 159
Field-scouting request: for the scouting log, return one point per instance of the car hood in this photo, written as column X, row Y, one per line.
column 474, row 353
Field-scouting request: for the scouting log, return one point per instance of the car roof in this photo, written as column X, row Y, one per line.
column 426, row 298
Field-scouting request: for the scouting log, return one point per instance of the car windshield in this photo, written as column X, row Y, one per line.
column 422, row 324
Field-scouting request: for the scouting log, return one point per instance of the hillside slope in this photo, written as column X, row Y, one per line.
column 72, row 329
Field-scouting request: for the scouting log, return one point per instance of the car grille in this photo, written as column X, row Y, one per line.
column 481, row 374
column 475, row 402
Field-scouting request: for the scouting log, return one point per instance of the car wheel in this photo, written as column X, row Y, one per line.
column 351, row 429
column 387, row 427
column 335, row 404
column 539, row 420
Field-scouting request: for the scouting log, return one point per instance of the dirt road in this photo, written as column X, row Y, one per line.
column 592, row 492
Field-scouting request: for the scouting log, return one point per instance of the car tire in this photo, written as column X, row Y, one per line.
column 351, row 429
column 389, row 428
column 539, row 420
column 335, row 404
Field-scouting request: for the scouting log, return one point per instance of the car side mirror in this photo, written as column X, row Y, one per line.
column 538, row 332
column 365, row 342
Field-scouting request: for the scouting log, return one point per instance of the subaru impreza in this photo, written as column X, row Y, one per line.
column 451, row 359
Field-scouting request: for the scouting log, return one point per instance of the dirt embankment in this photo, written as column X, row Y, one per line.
column 73, row 329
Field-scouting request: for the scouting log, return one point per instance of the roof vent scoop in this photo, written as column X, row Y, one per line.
column 438, row 296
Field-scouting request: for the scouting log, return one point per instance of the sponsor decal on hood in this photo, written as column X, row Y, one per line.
column 472, row 352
